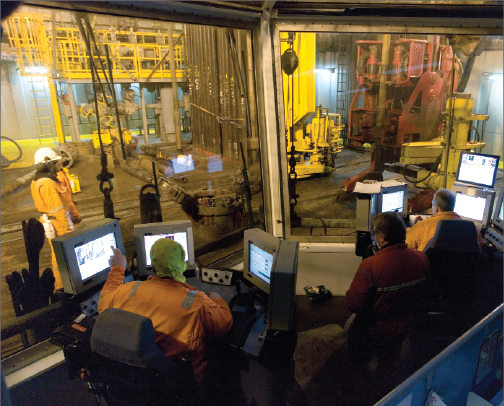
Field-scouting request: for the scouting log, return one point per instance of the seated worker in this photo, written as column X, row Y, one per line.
column 382, row 295
column 443, row 204
column 184, row 318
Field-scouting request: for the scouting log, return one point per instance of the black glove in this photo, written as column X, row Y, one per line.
column 29, row 293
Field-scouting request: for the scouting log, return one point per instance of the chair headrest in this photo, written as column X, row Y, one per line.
column 455, row 236
column 126, row 337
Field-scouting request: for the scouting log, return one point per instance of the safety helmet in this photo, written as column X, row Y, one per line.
column 46, row 154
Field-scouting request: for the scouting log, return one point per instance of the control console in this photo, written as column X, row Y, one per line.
column 494, row 238
column 216, row 276
column 89, row 307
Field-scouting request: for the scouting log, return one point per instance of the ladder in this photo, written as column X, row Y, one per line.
column 342, row 94
column 41, row 103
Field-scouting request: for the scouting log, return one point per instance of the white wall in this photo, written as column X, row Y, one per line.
column 488, row 95
column 331, row 265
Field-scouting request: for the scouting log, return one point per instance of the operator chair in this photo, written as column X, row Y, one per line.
column 448, row 303
column 132, row 369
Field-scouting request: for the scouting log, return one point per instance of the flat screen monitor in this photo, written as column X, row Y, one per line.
column 394, row 199
column 147, row 234
column 474, row 204
column 259, row 254
column 477, row 169
column 271, row 265
column 82, row 255
column 498, row 214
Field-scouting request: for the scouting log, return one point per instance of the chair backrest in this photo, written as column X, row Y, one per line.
column 127, row 338
column 454, row 255
column 454, row 236
column 135, row 370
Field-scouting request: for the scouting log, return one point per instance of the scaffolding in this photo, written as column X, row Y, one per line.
column 135, row 56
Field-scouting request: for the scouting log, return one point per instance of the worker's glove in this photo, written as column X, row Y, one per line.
column 30, row 293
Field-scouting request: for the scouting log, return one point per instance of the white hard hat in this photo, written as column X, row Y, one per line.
column 46, row 154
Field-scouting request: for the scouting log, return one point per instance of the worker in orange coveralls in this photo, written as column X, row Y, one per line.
column 53, row 200
column 184, row 318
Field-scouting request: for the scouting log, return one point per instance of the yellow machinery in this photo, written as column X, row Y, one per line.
column 317, row 143
column 74, row 181
column 444, row 151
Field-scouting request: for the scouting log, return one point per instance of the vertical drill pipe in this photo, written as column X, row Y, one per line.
column 91, row 35
column 97, row 110
column 144, row 115
column 176, row 112
column 450, row 125
column 88, row 48
column 115, row 101
column 247, row 188
column 382, row 100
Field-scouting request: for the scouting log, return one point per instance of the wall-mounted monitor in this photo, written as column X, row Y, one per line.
column 83, row 254
column 474, row 204
column 477, row 169
column 394, row 199
column 271, row 264
column 147, row 234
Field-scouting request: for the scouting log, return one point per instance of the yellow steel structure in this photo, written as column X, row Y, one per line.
column 447, row 148
column 317, row 143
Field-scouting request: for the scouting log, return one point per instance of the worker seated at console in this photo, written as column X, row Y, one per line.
column 443, row 205
column 183, row 317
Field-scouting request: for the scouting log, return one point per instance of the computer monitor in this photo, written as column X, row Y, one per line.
column 394, row 199
column 475, row 205
column 477, row 169
column 147, row 234
column 271, row 265
column 83, row 254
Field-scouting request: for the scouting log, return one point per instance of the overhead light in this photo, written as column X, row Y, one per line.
column 496, row 77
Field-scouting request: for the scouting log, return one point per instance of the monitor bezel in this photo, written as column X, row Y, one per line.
column 167, row 227
column 66, row 257
column 262, row 240
column 466, row 182
column 489, row 196
column 392, row 189
column 496, row 222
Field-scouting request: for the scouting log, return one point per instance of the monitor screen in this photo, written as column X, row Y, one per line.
column 150, row 239
column 260, row 263
column 147, row 234
column 93, row 256
column 472, row 207
column 477, row 169
column 393, row 202
column 83, row 254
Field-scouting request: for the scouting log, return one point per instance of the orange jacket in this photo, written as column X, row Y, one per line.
column 419, row 234
column 65, row 182
column 52, row 199
column 183, row 317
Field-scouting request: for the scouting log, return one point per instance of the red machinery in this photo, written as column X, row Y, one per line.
column 418, row 83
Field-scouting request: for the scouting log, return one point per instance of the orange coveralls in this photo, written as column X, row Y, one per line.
column 65, row 182
column 419, row 234
column 183, row 317
column 52, row 199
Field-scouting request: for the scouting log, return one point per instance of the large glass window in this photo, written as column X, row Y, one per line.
column 364, row 106
column 186, row 110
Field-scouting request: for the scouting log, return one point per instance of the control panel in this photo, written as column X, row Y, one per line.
column 495, row 238
column 216, row 276
column 89, row 307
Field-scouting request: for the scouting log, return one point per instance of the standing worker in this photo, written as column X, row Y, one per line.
column 53, row 200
